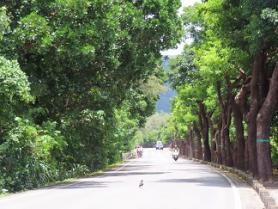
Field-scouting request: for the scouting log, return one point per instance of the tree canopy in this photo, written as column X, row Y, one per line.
column 226, row 82
column 78, row 78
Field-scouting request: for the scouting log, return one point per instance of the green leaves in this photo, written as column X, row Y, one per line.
column 4, row 21
column 72, row 8
column 27, row 155
column 211, row 58
column 270, row 15
column 155, row 129
column 182, row 68
column 14, row 83
column 33, row 32
column 93, row 66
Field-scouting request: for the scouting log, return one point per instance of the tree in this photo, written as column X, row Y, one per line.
column 14, row 87
column 230, row 38
column 92, row 68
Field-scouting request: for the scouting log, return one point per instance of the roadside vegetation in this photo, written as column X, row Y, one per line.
column 155, row 129
column 227, row 85
column 78, row 78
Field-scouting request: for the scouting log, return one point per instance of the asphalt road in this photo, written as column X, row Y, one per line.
column 167, row 185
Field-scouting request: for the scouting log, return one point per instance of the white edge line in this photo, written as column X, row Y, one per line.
column 124, row 165
column 235, row 191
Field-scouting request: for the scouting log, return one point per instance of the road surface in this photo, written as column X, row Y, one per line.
column 167, row 185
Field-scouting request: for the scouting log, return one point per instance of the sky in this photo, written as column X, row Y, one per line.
column 178, row 50
column 186, row 3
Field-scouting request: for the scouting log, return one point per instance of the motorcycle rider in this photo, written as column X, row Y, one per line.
column 175, row 153
column 139, row 151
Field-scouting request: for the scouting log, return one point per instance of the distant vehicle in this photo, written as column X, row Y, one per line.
column 139, row 151
column 159, row 145
column 175, row 154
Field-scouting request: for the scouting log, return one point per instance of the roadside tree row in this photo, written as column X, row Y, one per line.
column 227, row 85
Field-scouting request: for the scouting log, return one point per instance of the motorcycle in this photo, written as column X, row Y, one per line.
column 175, row 155
column 139, row 152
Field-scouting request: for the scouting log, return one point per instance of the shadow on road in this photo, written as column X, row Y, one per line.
column 193, row 170
column 136, row 167
column 209, row 181
column 123, row 173
column 85, row 184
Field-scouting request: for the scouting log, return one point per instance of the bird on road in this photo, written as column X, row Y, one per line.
column 141, row 183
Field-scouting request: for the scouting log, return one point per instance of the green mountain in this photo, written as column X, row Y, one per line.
column 164, row 102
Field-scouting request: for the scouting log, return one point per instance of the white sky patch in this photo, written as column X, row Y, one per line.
column 186, row 3
column 179, row 48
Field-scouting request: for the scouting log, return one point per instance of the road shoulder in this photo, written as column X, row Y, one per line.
column 249, row 197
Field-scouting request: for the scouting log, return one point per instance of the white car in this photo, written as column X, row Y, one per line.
column 159, row 145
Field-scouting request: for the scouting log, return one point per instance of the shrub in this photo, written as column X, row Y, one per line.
column 26, row 155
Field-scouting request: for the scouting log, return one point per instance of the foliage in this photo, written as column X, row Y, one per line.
column 155, row 129
column 182, row 68
column 14, row 83
column 226, row 37
column 27, row 158
column 86, row 74
column 4, row 22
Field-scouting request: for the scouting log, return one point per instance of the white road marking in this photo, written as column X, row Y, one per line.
column 124, row 165
column 235, row 192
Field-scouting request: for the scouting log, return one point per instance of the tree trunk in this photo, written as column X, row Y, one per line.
column 218, row 142
column 241, row 100
column 222, row 139
column 246, row 159
column 225, row 133
column 242, row 97
column 239, row 147
column 190, row 143
column 226, row 155
column 205, row 131
column 193, row 144
column 252, row 115
column 213, row 131
column 263, row 128
column 198, row 142
column 182, row 148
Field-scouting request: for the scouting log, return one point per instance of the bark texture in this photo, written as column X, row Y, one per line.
column 263, row 128
column 254, row 108
column 205, row 131
column 226, row 109
column 198, row 144
column 240, row 143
